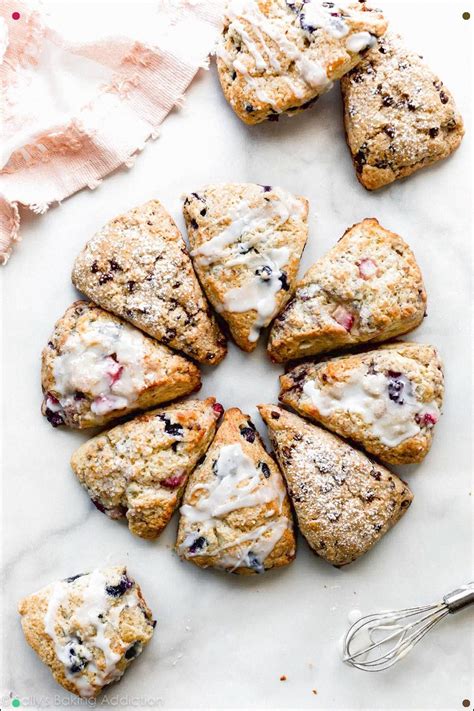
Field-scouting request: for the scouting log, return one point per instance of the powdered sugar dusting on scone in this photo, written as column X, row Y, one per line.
column 280, row 56
column 399, row 115
column 344, row 502
column 247, row 240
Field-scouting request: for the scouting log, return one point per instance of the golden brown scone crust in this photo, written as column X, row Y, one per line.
column 161, row 375
column 252, row 534
column 263, row 253
column 125, row 626
column 399, row 116
column 367, row 288
column 138, row 267
column 139, row 470
column 343, row 501
column 375, row 382
column 277, row 56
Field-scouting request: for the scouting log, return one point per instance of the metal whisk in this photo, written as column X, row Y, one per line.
column 376, row 642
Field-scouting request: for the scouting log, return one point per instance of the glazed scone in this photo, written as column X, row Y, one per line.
column 88, row 628
column 97, row 368
column 138, row 267
column 138, row 470
column 387, row 400
column 399, row 116
column 344, row 502
column 278, row 56
column 367, row 288
column 246, row 242
column 236, row 515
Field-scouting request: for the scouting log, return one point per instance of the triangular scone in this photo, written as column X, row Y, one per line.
column 344, row 502
column 387, row 400
column 367, row 288
column 97, row 368
column 398, row 114
column 279, row 55
column 138, row 267
column 88, row 628
column 246, row 242
column 139, row 470
column 236, row 515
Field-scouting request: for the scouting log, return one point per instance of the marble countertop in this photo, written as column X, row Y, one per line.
column 223, row 641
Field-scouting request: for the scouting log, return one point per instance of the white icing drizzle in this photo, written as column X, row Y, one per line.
column 250, row 229
column 88, row 623
column 360, row 41
column 260, row 292
column 314, row 14
column 237, row 484
column 368, row 396
column 104, row 361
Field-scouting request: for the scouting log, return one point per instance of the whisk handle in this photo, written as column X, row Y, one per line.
column 460, row 598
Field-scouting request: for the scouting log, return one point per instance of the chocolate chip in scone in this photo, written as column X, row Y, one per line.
column 249, row 108
column 265, row 469
column 390, row 131
column 174, row 429
column 275, row 415
column 94, row 267
column 433, row 132
column 248, row 434
column 411, row 105
column 115, row 266
column 131, row 286
column 133, row 651
column 284, row 281
column 198, row 544
column 105, row 277
column 443, row 97
column 194, row 224
column 74, row 577
column 388, row 101
column 121, row 588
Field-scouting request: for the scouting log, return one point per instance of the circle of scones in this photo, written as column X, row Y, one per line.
column 278, row 56
column 88, row 628
column 96, row 368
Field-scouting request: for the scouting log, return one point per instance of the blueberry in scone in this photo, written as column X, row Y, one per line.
column 388, row 400
column 139, row 470
column 88, row 628
column 138, row 267
column 398, row 114
column 246, row 243
column 344, row 502
column 278, row 56
column 97, row 368
column 367, row 288
column 235, row 514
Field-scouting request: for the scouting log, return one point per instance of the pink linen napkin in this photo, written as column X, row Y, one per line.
column 71, row 113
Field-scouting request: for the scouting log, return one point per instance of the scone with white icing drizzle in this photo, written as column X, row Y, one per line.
column 344, row 502
column 367, row 288
column 97, row 368
column 236, row 515
column 138, row 267
column 88, row 628
column 399, row 116
column 279, row 55
column 387, row 400
column 246, row 242
column 139, row 470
